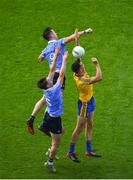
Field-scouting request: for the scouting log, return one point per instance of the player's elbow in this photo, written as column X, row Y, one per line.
column 99, row 78
column 69, row 39
column 40, row 58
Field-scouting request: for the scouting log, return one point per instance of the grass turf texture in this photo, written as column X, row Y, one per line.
column 21, row 24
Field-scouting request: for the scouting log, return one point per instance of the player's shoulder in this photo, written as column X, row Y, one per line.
column 61, row 41
column 75, row 77
column 45, row 49
column 86, row 75
column 55, row 87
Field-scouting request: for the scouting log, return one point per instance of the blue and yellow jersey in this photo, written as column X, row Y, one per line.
column 85, row 89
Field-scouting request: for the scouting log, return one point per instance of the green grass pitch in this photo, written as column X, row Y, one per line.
column 21, row 25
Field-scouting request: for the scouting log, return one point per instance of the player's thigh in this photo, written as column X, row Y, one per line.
column 89, row 119
column 82, row 107
column 80, row 123
column 45, row 122
column 55, row 125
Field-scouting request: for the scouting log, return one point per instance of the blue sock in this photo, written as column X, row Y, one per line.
column 88, row 146
column 71, row 148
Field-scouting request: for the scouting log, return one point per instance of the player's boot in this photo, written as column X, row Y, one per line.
column 30, row 122
column 50, row 166
column 73, row 157
column 48, row 152
column 92, row 153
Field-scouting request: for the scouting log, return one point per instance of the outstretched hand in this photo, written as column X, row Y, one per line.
column 89, row 30
column 94, row 60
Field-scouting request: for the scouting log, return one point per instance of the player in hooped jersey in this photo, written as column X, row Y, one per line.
column 48, row 54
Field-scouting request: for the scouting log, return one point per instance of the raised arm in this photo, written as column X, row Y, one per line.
column 53, row 66
column 63, row 68
column 97, row 77
column 76, row 37
column 80, row 33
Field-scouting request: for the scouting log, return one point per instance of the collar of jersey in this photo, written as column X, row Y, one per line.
column 52, row 41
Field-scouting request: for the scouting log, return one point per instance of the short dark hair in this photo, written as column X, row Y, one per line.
column 42, row 83
column 76, row 66
column 46, row 33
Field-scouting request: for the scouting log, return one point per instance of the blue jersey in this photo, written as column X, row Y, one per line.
column 49, row 52
column 54, row 99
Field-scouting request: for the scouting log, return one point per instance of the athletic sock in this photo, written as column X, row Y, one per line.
column 72, row 148
column 88, row 146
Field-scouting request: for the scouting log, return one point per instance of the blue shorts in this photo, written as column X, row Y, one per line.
column 85, row 108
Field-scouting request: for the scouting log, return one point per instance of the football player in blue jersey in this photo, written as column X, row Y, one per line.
column 48, row 54
column 52, row 117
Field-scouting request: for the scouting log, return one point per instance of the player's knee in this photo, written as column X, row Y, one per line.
column 53, row 150
column 89, row 125
column 80, row 126
column 55, row 146
column 76, row 132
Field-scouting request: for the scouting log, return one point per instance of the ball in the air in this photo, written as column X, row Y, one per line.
column 78, row 51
